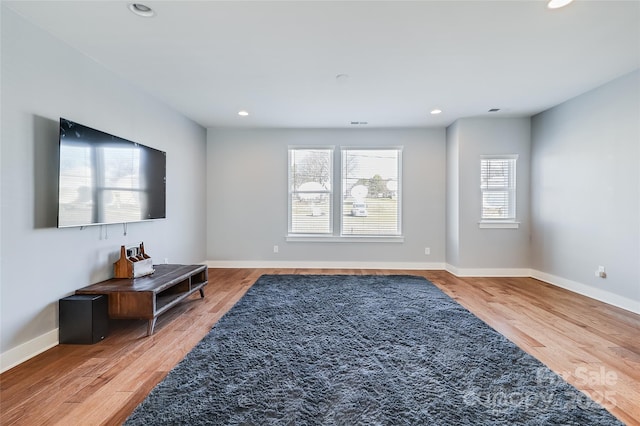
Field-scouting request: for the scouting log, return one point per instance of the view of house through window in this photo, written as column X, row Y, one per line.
column 498, row 186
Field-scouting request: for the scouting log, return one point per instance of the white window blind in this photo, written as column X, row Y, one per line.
column 498, row 186
column 310, row 191
column 371, row 192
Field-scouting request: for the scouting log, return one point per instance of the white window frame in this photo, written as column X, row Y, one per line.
column 292, row 191
column 335, row 236
column 511, row 188
column 343, row 151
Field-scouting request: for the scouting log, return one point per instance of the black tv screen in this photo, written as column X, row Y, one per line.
column 106, row 179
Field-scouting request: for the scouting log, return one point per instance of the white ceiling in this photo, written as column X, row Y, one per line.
column 279, row 59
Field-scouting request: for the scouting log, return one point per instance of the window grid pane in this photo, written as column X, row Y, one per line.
column 310, row 191
column 498, row 185
column 310, row 216
column 371, row 192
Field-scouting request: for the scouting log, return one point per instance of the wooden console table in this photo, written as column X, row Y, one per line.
column 149, row 296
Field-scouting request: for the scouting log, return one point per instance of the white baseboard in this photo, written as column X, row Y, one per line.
column 270, row 264
column 25, row 351
column 585, row 290
column 488, row 272
column 589, row 291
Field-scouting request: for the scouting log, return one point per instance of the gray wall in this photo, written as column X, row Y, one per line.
column 586, row 196
column 42, row 80
column 247, row 196
column 471, row 247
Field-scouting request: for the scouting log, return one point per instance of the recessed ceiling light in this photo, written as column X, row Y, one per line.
column 436, row 111
column 141, row 10
column 557, row 4
column 243, row 113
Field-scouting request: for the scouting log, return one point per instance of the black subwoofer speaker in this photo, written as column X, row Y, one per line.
column 83, row 319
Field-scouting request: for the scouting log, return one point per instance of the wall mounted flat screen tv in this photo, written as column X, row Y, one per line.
column 106, row 179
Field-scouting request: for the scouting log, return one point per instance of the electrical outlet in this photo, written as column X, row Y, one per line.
column 601, row 272
column 427, row 251
column 275, row 249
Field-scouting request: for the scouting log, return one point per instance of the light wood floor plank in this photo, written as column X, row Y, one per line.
column 101, row 384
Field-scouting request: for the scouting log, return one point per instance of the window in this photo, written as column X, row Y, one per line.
column 498, row 186
column 367, row 199
column 371, row 192
column 310, row 191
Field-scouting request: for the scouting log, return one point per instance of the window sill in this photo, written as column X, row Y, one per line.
column 344, row 239
column 498, row 225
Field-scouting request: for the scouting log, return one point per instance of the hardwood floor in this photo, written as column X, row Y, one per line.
column 596, row 347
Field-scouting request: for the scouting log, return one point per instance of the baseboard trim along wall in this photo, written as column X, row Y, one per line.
column 589, row 291
column 488, row 272
column 268, row 264
column 28, row 350
column 583, row 289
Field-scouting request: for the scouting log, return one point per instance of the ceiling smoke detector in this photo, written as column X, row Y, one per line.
column 142, row 10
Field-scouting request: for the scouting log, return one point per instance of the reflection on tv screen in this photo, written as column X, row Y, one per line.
column 105, row 179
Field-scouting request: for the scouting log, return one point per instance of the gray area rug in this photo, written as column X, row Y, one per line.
column 359, row 350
